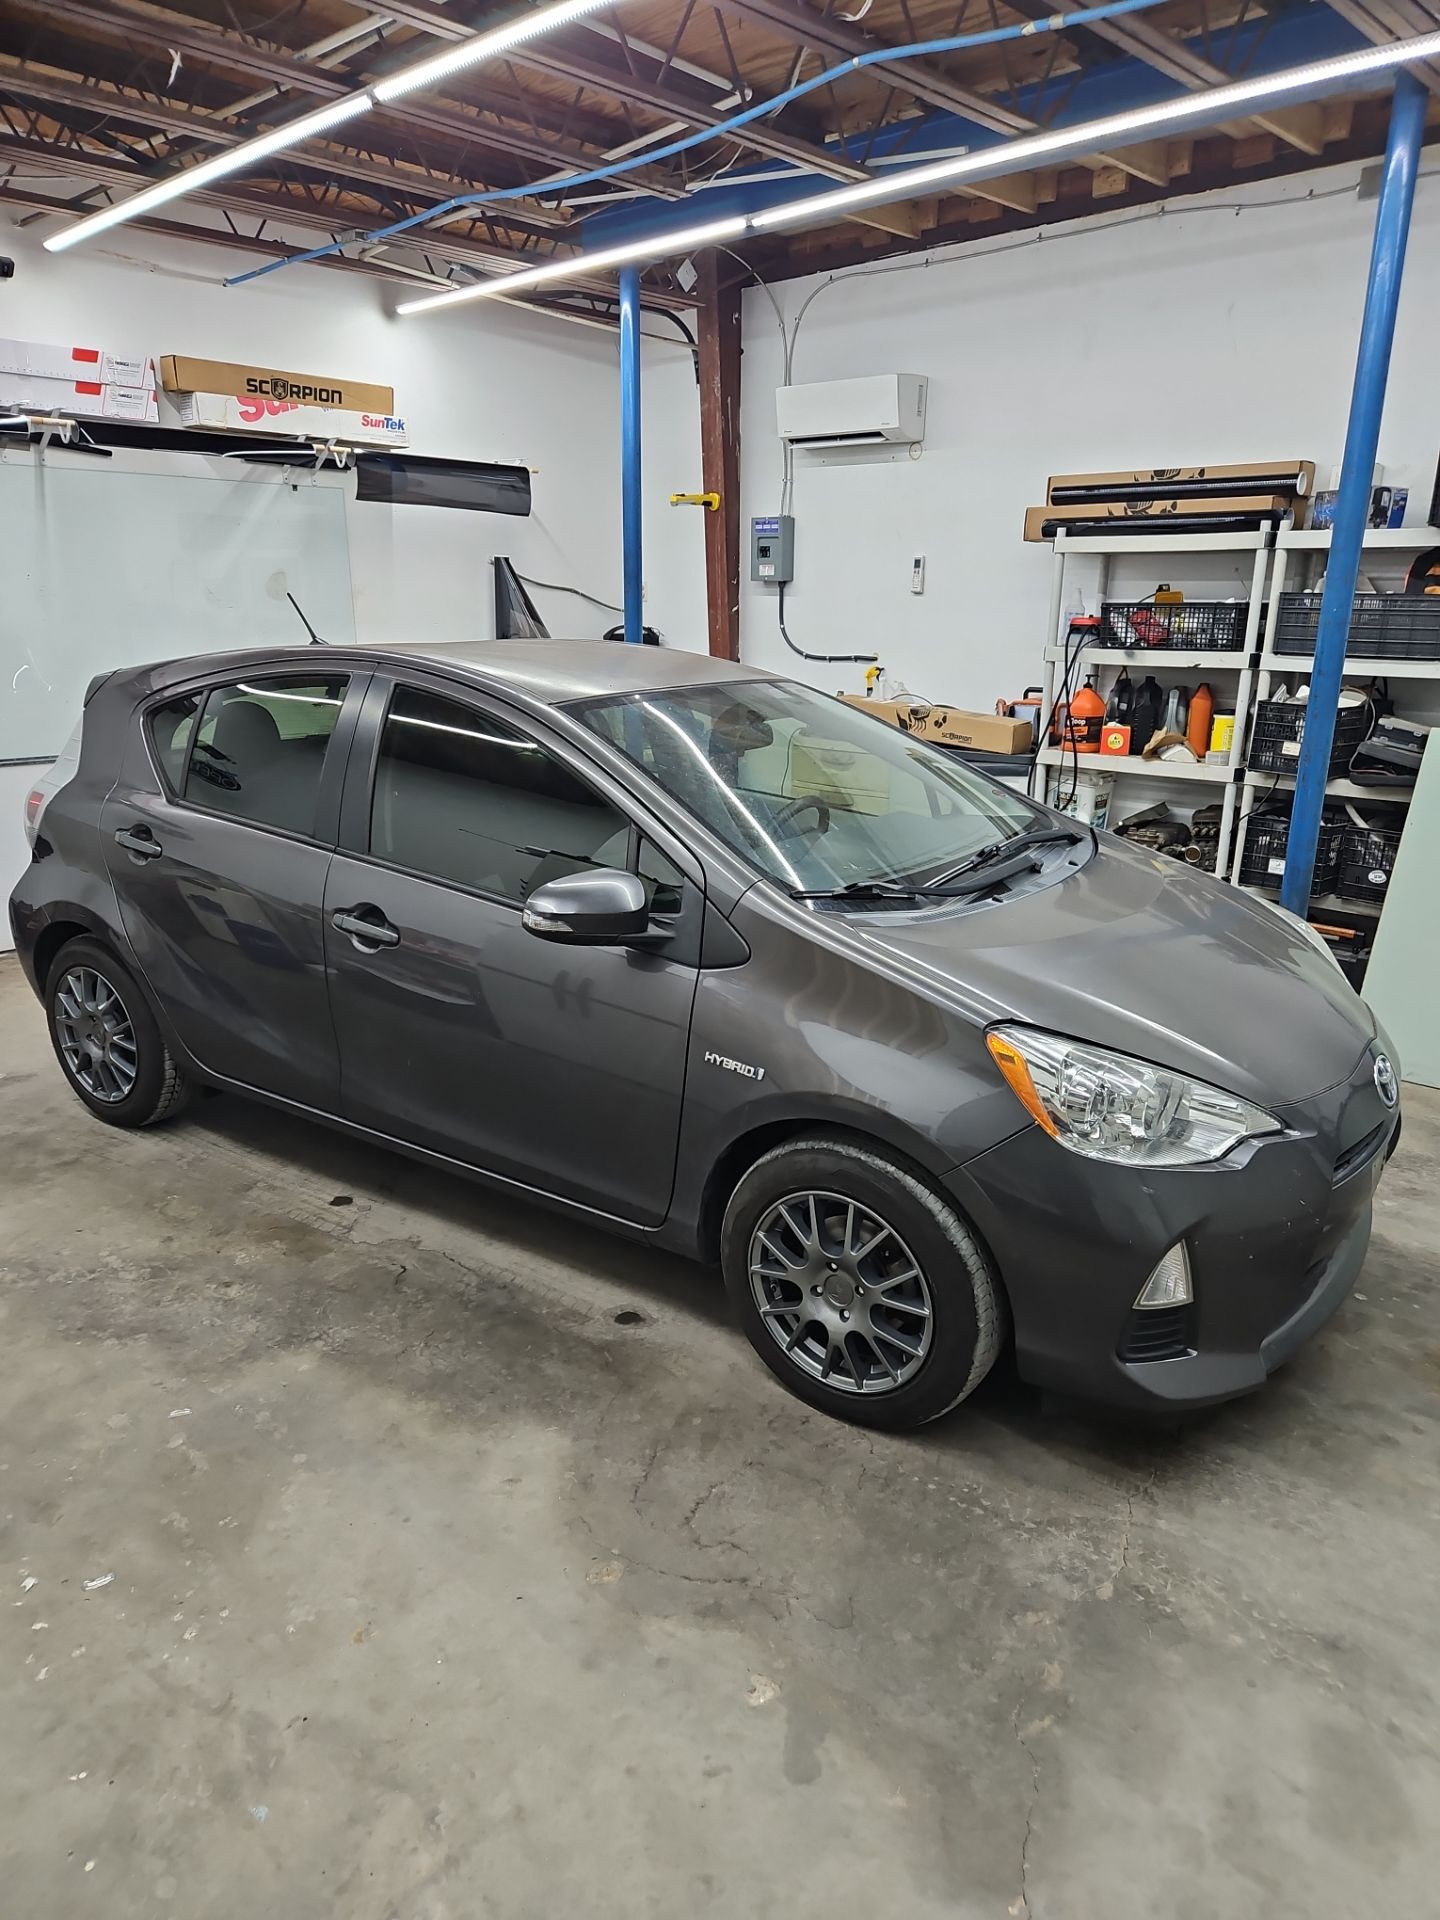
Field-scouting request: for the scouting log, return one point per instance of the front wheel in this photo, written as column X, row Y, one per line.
column 106, row 1040
column 858, row 1285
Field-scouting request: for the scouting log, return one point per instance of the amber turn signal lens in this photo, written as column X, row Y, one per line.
column 1017, row 1077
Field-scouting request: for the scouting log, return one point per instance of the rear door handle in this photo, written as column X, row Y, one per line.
column 358, row 922
column 139, row 841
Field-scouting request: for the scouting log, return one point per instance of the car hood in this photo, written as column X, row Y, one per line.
column 1137, row 952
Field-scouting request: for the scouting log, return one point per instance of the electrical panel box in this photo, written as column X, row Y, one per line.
column 772, row 549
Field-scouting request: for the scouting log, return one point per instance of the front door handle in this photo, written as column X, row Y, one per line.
column 367, row 924
column 140, row 842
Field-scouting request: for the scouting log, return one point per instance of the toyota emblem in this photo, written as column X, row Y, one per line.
column 1386, row 1084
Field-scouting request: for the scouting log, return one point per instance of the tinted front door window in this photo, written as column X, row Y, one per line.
column 462, row 797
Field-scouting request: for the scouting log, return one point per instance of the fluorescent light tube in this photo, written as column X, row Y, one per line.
column 484, row 46
column 680, row 241
column 1209, row 105
column 215, row 168
column 1114, row 130
column 425, row 73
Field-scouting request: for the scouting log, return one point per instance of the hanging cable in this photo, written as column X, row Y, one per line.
column 552, row 586
column 1052, row 23
column 823, row 659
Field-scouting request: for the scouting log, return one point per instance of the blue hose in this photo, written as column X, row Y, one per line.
column 1053, row 23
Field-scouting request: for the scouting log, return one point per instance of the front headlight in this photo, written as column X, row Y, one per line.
column 1109, row 1106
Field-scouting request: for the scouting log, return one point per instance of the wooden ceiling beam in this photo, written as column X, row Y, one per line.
column 25, row 83
column 638, row 84
column 1300, row 127
column 297, row 211
column 802, row 26
column 167, row 33
column 1384, row 20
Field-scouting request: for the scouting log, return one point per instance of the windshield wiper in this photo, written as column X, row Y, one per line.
column 860, row 890
column 884, row 890
column 1004, row 849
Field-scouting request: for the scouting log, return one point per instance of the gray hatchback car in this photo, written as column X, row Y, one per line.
column 713, row 960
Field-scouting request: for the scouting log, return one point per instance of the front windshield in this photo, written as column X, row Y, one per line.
column 818, row 794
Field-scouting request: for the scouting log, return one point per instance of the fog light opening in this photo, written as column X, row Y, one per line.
column 1169, row 1285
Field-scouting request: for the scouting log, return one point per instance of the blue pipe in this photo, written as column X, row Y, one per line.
column 1352, row 507
column 630, row 538
column 1053, row 23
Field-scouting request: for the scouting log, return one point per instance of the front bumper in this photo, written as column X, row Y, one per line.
column 1276, row 1237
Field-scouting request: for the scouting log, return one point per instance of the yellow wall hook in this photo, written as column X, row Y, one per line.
column 710, row 501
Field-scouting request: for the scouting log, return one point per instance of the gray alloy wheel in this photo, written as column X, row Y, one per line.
column 96, row 1035
column 841, row 1293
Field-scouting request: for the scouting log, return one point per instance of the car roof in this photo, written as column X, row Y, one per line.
column 548, row 672
column 556, row 671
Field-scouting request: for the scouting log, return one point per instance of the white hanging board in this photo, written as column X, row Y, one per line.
column 102, row 567
column 1400, row 980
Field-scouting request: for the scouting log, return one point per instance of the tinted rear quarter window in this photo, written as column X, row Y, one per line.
column 170, row 730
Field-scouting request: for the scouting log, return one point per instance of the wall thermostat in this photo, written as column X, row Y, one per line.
column 772, row 549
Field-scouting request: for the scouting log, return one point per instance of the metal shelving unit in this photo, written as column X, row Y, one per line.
column 1240, row 662
column 1296, row 552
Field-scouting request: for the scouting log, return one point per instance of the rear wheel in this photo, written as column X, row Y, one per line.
column 858, row 1285
column 106, row 1039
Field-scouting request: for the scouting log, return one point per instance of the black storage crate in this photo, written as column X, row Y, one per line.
column 1383, row 626
column 1266, row 837
column 1279, row 724
column 1367, row 859
column 1196, row 626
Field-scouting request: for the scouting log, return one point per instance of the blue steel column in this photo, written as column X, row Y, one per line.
column 634, row 594
column 1362, row 435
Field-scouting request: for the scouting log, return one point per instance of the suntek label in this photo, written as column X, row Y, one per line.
column 253, row 409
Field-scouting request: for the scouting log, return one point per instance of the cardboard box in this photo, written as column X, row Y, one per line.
column 1255, row 476
column 949, row 726
column 49, row 362
column 286, row 420
column 181, row 375
column 87, row 399
column 1119, row 512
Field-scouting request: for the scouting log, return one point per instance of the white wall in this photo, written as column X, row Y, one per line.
column 487, row 382
column 1182, row 338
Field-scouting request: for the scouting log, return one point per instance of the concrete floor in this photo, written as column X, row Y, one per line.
column 363, row 1560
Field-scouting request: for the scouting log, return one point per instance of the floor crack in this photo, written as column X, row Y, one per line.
column 1020, row 1905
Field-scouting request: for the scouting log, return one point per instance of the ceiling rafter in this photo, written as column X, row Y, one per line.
column 294, row 209
column 111, row 94
column 919, row 79
column 27, row 83
column 1300, row 127
column 167, row 33
column 1382, row 20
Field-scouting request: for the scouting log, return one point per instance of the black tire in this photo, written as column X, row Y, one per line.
column 159, row 1088
column 966, row 1318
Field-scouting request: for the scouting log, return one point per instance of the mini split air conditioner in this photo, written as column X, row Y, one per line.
column 880, row 409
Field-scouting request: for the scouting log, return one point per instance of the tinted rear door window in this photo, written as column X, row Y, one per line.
column 259, row 749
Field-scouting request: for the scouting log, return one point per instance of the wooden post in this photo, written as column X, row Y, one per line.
column 719, row 341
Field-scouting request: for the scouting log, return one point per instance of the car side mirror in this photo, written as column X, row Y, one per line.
column 599, row 908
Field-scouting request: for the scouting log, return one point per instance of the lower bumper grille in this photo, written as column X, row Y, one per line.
column 1157, row 1333
column 1355, row 1157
